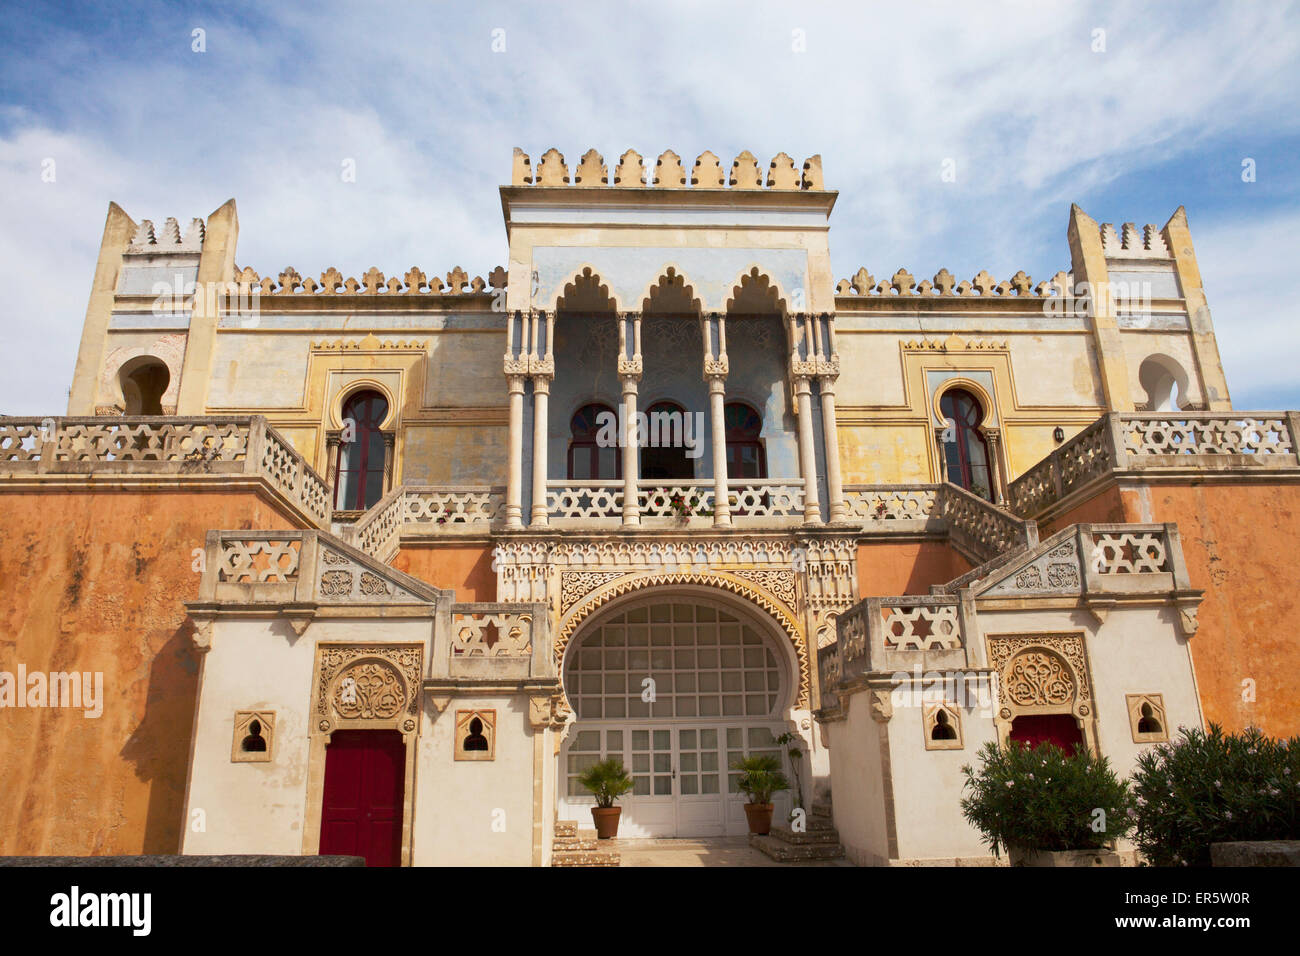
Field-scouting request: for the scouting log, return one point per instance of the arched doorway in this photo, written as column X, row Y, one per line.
column 589, row 457
column 677, row 687
column 965, row 451
column 359, row 476
column 663, row 450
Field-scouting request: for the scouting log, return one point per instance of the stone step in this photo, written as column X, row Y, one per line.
column 791, row 853
column 812, row 835
column 821, row 810
column 566, row 828
column 574, row 843
column 585, row 858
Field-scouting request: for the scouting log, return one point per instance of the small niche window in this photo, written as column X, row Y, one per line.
column 254, row 736
column 942, row 725
column 144, row 381
column 1146, row 714
column 476, row 734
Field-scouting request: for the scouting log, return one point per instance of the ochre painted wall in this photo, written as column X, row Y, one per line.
column 886, row 569
column 465, row 569
column 96, row 581
column 1238, row 542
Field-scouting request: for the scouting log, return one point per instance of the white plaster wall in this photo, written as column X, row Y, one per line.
column 475, row 812
column 263, row 665
column 928, row 783
column 857, row 790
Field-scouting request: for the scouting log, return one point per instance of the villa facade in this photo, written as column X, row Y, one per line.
column 378, row 565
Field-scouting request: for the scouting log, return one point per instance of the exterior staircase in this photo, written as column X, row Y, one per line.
column 819, row 841
column 574, row 847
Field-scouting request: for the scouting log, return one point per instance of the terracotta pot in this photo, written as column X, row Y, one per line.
column 606, row 820
column 760, row 817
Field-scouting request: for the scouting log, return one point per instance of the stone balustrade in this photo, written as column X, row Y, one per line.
column 164, row 445
column 1166, row 442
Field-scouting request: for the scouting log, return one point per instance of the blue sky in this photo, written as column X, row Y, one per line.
column 1016, row 94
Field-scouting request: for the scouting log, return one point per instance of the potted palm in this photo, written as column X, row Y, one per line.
column 761, row 777
column 607, row 780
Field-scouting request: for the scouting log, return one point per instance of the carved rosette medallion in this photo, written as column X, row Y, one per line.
column 368, row 683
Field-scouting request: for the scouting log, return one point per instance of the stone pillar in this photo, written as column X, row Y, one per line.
column 995, row 466
column 332, row 465
column 943, row 455
column 716, row 366
column 812, row 513
column 390, row 460
column 828, row 373
column 629, row 374
column 541, row 397
column 515, row 478
column 717, row 407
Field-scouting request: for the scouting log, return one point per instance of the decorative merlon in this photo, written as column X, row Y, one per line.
column 902, row 283
column 145, row 242
column 1129, row 244
column 668, row 172
column 373, row 282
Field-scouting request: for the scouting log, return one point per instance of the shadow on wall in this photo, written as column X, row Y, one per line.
column 162, row 737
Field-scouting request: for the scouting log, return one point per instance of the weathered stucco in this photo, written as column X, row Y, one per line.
column 96, row 581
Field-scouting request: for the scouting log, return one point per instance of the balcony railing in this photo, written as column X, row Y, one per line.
column 981, row 529
column 600, row 503
column 432, row 508
column 165, row 445
column 1171, row 441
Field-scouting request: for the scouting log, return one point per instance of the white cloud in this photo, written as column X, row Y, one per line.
column 1014, row 94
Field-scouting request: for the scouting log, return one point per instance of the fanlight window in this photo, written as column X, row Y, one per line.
column 745, row 455
column 964, row 448
column 359, row 480
column 588, row 460
column 673, row 660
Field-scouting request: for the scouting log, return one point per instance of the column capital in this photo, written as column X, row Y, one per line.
column 630, row 367
column 716, row 367
column 515, row 383
column 542, row 383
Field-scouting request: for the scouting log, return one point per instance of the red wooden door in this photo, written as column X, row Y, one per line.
column 365, row 781
column 1059, row 729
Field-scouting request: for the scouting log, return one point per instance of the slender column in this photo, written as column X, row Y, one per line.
column 830, row 434
column 332, row 465
column 629, row 374
column 995, row 466
column 717, row 406
column 715, row 373
column 631, row 451
column 514, row 481
column 390, row 460
column 541, row 396
column 943, row 453
column 812, row 513
column 828, row 372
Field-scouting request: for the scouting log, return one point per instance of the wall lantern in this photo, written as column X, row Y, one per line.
column 1058, row 434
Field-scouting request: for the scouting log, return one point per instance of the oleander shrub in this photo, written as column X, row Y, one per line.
column 1204, row 788
column 1041, row 798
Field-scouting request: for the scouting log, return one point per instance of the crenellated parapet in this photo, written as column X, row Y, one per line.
column 1129, row 243
column 668, row 172
column 372, row 282
column 902, row 283
column 169, row 240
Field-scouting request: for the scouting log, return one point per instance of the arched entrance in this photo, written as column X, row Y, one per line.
column 677, row 686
